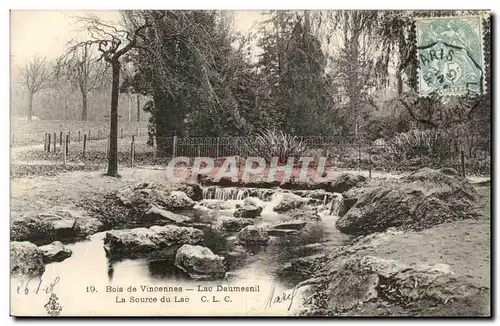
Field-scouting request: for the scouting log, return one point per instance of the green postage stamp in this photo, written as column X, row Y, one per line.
column 450, row 55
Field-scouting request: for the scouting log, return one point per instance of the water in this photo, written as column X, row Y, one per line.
column 89, row 269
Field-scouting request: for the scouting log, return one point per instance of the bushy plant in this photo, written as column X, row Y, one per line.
column 417, row 143
column 272, row 143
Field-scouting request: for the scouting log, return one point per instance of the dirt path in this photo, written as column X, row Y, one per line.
column 67, row 189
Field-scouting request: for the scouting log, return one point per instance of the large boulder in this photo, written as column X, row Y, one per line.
column 363, row 279
column 337, row 206
column 215, row 204
column 145, row 240
column 304, row 215
column 156, row 213
column 139, row 198
column 32, row 228
column 55, row 252
column 248, row 211
column 345, row 181
column 422, row 199
column 178, row 200
column 254, row 201
column 86, row 225
column 289, row 202
column 231, row 224
column 26, row 259
column 192, row 190
column 252, row 235
column 45, row 227
column 200, row 262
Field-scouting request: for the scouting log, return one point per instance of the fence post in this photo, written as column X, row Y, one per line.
column 69, row 137
column 107, row 148
column 132, row 149
column 217, row 152
column 55, row 141
column 370, row 165
column 78, row 135
column 462, row 157
column 359, row 155
column 45, row 142
column 65, row 150
column 84, row 144
column 174, row 147
column 67, row 144
column 154, row 149
column 121, row 132
column 48, row 142
column 60, row 138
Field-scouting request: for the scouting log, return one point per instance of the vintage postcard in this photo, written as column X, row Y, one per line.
column 330, row 163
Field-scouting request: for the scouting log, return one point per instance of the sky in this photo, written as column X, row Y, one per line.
column 46, row 33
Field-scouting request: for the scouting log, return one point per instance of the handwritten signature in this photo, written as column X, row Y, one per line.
column 37, row 285
column 284, row 297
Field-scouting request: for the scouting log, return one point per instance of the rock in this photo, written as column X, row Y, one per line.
column 86, row 225
column 143, row 195
column 33, row 229
column 232, row 224
column 289, row 202
column 55, row 252
column 144, row 240
column 156, row 213
column 290, row 225
column 252, row 235
column 337, row 206
column 303, row 215
column 254, row 201
column 200, row 262
column 43, row 228
column 215, row 204
column 25, row 259
column 281, row 232
column 346, row 181
column 178, row 200
column 423, row 199
column 366, row 279
column 248, row 211
column 307, row 266
column 309, row 249
column 192, row 190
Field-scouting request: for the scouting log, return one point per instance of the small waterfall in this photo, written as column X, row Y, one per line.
column 276, row 198
column 229, row 193
column 235, row 193
column 337, row 205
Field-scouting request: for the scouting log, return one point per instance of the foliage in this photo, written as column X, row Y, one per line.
column 273, row 143
column 292, row 66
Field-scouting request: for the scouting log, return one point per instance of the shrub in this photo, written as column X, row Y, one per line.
column 418, row 143
column 272, row 143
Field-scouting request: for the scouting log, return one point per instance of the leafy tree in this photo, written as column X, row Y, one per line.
column 293, row 64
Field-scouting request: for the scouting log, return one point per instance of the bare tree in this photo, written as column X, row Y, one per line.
column 83, row 69
column 36, row 76
column 112, row 43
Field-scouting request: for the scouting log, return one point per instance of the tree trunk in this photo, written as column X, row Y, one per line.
column 113, row 130
column 30, row 107
column 84, row 106
column 138, row 108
